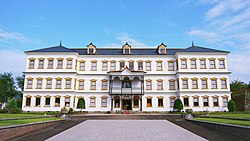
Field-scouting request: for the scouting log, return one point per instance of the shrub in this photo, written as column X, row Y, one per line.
column 16, row 110
column 19, row 103
column 81, row 104
column 178, row 104
column 231, row 106
column 71, row 111
column 4, row 110
column 189, row 111
column 11, row 105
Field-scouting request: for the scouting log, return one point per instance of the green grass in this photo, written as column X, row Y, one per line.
column 24, row 121
column 227, row 121
column 5, row 115
column 232, row 115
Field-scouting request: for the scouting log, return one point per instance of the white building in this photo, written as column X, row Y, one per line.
column 126, row 78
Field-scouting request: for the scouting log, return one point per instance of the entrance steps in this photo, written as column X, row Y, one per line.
column 126, row 112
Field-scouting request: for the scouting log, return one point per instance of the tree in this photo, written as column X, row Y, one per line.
column 81, row 104
column 178, row 104
column 20, row 81
column 231, row 106
column 11, row 105
column 7, row 87
column 238, row 85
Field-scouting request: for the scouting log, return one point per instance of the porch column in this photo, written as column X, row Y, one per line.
column 111, row 103
column 141, row 103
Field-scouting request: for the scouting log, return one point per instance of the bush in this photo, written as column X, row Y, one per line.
column 4, row 110
column 189, row 111
column 71, row 111
column 231, row 106
column 81, row 104
column 16, row 110
column 178, row 104
column 11, row 105
column 19, row 103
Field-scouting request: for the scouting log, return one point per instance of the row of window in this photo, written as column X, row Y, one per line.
column 204, row 83
column 203, row 65
column 117, row 101
column 193, row 64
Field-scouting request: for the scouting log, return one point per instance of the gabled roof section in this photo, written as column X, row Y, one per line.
column 194, row 48
column 59, row 48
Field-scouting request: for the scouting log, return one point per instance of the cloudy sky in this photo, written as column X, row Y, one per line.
column 218, row 24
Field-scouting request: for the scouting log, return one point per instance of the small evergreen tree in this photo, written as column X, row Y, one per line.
column 231, row 106
column 11, row 105
column 81, row 104
column 178, row 104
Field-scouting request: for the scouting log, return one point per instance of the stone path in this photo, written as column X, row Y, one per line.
column 124, row 130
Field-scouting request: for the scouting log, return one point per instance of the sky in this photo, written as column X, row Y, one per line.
column 33, row 24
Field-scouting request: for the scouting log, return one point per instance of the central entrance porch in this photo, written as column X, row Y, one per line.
column 126, row 104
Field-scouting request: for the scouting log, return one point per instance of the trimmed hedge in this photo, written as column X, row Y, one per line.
column 178, row 104
column 231, row 106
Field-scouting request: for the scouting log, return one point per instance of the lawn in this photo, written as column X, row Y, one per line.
column 24, row 121
column 4, row 115
column 227, row 121
column 232, row 115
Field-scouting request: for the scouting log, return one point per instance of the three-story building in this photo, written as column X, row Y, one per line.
column 138, row 79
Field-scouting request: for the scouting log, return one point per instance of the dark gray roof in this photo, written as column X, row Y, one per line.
column 134, row 51
column 53, row 49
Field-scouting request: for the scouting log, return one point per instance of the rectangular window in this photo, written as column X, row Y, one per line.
column 49, row 84
column 67, row 101
column 204, row 84
column 122, row 65
column 30, row 83
column 215, row 101
column 69, row 64
column 222, row 64
column 148, row 66
column 104, row 85
column 50, row 64
column 57, row 101
column 68, row 84
column 160, row 102
column 193, row 64
column 223, row 84
column 184, row 84
column 183, row 64
column 196, row 101
column 205, row 101
column 186, row 101
column 212, row 64
column 32, row 64
column 117, row 103
column 225, row 101
column 47, row 101
column 93, row 85
column 92, row 102
column 203, row 64
column 131, row 65
column 172, row 100
column 149, row 102
column 104, row 66
column 162, row 50
column 60, row 64
column 159, row 85
column 148, row 85
column 194, row 84
column 113, row 66
column 58, row 84
column 126, row 51
column 214, row 84
column 171, row 85
column 171, row 66
column 91, row 51
column 136, row 102
column 140, row 65
column 159, row 66
column 104, row 102
column 81, row 85
column 28, row 101
column 82, row 66
column 39, row 84
column 38, row 101
column 41, row 64
column 94, row 66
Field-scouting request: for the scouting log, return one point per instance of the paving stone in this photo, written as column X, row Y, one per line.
column 123, row 130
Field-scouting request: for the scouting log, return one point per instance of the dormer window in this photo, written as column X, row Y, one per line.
column 126, row 49
column 91, row 49
column 162, row 49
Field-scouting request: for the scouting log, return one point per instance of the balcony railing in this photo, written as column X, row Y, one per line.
column 120, row 90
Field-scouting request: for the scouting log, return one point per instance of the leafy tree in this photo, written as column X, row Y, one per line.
column 7, row 87
column 20, row 81
column 81, row 104
column 238, row 85
column 178, row 104
column 11, row 105
column 231, row 106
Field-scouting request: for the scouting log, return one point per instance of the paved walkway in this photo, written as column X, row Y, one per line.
column 124, row 130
